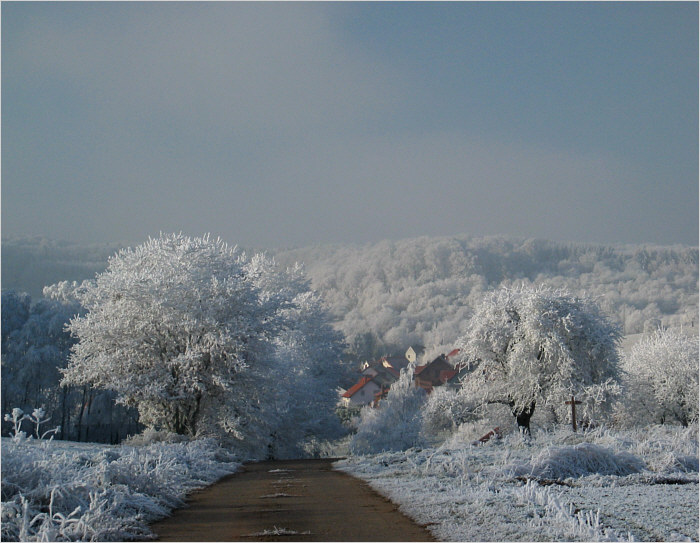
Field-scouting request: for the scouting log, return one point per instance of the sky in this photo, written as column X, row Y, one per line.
column 282, row 124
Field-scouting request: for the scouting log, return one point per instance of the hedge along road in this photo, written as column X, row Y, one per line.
column 292, row 500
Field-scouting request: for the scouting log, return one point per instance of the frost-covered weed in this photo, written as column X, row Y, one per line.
column 59, row 492
column 550, row 514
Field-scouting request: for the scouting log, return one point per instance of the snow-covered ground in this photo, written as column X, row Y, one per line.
column 59, row 491
column 635, row 485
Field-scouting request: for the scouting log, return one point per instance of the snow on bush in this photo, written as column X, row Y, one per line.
column 396, row 423
column 63, row 491
column 662, row 379
column 580, row 460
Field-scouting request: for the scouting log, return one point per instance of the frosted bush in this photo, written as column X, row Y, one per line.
column 149, row 436
column 662, row 379
column 581, row 460
column 396, row 424
column 68, row 492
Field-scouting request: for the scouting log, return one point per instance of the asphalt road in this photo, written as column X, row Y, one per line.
column 294, row 500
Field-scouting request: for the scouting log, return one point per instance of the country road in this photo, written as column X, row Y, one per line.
column 294, row 500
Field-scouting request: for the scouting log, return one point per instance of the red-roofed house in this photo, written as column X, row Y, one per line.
column 362, row 392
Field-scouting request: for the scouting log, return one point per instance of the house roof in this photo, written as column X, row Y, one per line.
column 385, row 376
column 393, row 372
column 356, row 387
column 395, row 362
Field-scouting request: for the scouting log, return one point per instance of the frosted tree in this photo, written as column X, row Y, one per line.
column 287, row 398
column 169, row 326
column 203, row 340
column 527, row 347
column 309, row 353
column 662, row 378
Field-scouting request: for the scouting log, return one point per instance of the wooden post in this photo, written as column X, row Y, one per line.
column 573, row 403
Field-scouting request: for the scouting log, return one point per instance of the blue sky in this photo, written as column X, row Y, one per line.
column 281, row 124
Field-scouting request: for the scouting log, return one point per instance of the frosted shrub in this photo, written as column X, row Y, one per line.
column 581, row 460
column 666, row 449
column 396, row 424
column 149, row 436
column 662, row 379
column 445, row 409
column 97, row 493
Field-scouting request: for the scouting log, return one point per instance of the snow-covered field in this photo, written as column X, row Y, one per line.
column 600, row 486
column 59, row 491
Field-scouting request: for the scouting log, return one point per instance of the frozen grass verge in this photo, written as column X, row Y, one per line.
column 602, row 485
column 64, row 491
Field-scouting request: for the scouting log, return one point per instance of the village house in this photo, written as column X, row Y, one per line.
column 362, row 392
column 437, row 373
column 414, row 352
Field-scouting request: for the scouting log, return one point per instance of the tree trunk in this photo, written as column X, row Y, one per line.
column 522, row 416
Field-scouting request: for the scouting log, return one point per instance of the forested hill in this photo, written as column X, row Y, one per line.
column 394, row 293
column 387, row 295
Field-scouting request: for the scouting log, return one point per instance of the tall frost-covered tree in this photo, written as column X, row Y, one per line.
column 308, row 351
column 202, row 339
column 169, row 324
column 662, row 378
column 184, row 329
column 531, row 347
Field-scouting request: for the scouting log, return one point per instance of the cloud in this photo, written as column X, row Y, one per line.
column 260, row 67
column 441, row 183
column 263, row 123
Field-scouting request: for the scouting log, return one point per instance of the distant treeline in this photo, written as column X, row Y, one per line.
column 30, row 264
column 390, row 294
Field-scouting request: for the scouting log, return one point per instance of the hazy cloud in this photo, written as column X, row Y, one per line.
column 281, row 123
